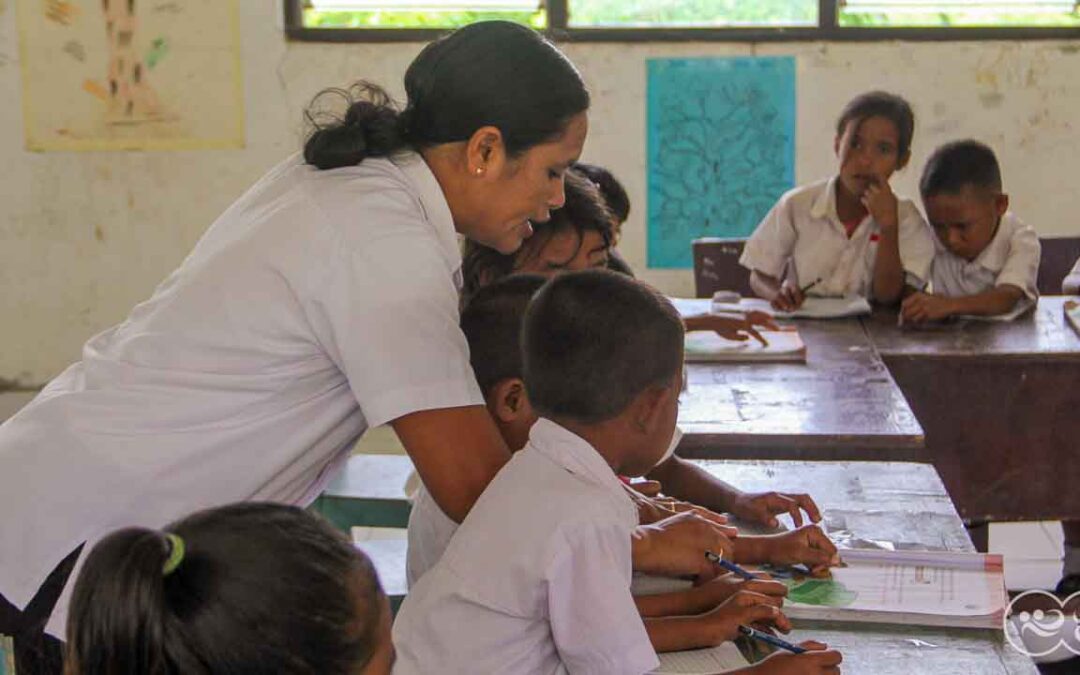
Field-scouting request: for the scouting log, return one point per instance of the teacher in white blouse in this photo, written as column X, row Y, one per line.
column 323, row 302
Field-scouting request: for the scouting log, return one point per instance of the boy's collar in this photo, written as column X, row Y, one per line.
column 824, row 204
column 572, row 452
column 994, row 256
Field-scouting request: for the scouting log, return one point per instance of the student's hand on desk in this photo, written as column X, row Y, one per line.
column 818, row 660
column 807, row 545
column 788, row 298
column 743, row 608
column 725, row 586
column 763, row 507
column 675, row 546
column 739, row 329
column 922, row 307
column 655, row 507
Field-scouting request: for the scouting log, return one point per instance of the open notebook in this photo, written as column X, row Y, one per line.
column 702, row 661
column 926, row 588
column 785, row 345
column 812, row 308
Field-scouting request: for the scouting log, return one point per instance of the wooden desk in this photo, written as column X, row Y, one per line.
column 1000, row 403
column 899, row 502
column 841, row 404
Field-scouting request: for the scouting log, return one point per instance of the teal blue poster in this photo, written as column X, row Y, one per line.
column 721, row 149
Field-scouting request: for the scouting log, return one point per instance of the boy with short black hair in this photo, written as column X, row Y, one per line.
column 537, row 578
column 987, row 259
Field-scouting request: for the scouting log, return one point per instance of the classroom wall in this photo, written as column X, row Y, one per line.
column 85, row 236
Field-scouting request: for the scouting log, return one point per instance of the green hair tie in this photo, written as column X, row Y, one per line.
column 176, row 554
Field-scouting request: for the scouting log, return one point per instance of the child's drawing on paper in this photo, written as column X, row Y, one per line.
column 130, row 74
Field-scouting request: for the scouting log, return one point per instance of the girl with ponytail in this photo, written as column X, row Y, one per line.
column 249, row 588
column 322, row 302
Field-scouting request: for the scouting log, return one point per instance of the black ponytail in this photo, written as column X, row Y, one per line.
column 371, row 127
column 121, row 586
column 259, row 588
column 490, row 73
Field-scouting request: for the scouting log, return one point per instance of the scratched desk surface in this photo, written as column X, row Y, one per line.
column 841, row 404
column 1043, row 333
column 864, row 503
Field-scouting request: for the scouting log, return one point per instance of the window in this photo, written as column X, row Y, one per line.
column 643, row 20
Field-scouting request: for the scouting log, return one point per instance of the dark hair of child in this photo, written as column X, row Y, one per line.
column 881, row 104
column 492, row 322
column 960, row 164
column 583, row 211
column 593, row 341
column 245, row 588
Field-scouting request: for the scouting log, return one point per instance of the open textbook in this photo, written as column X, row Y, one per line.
column 927, row 588
column 709, row 661
column 924, row 588
column 813, row 308
column 784, row 346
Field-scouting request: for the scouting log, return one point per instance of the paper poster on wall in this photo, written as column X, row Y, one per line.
column 131, row 74
column 721, row 149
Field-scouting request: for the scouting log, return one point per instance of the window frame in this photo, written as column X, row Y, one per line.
column 558, row 29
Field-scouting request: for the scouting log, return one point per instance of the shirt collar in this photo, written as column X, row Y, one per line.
column 995, row 254
column 576, row 455
column 824, row 204
column 433, row 201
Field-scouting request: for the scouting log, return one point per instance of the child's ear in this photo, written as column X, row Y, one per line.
column 650, row 405
column 1001, row 204
column 509, row 401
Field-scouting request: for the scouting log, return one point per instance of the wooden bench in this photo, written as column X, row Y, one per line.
column 369, row 492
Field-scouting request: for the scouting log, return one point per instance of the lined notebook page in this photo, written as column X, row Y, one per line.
column 702, row 661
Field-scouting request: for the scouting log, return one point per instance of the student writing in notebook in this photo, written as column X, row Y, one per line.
column 849, row 234
column 253, row 588
column 537, row 578
column 987, row 259
column 491, row 323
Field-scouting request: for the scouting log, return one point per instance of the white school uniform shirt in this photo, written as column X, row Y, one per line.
column 430, row 529
column 536, row 581
column 1071, row 283
column 1011, row 257
column 319, row 304
column 804, row 231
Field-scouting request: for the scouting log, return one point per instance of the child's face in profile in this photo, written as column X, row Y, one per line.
column 965, row 223
column 869, row 153
column 565, row 250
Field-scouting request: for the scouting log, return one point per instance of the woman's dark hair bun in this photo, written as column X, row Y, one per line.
column 371, row 127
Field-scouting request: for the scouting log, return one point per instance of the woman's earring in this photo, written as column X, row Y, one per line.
column 479, row 171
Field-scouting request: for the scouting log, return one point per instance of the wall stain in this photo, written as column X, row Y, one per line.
column 99, row 233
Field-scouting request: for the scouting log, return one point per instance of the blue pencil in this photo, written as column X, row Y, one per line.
column 729, row 566
column 770, row 639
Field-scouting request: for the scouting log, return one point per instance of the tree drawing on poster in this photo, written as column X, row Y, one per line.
column 721, row 149
column 131, row 74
